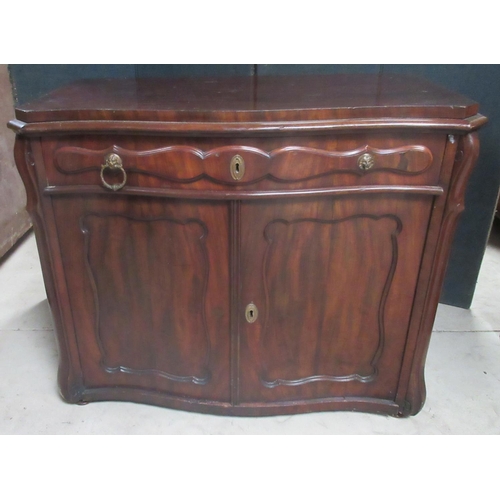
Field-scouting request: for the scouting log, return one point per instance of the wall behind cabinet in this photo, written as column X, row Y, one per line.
column 14, row 219
column 479, row 82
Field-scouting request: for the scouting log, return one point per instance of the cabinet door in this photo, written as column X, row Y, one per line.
column 333, row 282
column 148, row 286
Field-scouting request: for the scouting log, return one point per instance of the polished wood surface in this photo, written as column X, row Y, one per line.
column 271, row 163
column 149, row 291
column 245, row 129
column 334, row 282
column 267, row 98
column 150, row 285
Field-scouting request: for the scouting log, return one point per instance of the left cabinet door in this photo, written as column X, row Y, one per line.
column 148, row 287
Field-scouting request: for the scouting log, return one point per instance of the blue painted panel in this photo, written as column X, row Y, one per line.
column 30, row 81
column 315, row 69
column 182, row 70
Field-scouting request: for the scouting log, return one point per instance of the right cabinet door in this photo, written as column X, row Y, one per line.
column 333, row 281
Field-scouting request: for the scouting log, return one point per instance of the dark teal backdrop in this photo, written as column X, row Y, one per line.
column 479, row 82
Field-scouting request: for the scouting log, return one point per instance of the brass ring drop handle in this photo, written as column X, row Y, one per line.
column 113, row 162
column 366, row 161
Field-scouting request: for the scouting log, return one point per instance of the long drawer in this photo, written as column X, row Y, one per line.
column 244, row 164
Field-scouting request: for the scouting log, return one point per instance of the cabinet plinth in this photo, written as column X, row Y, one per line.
column 246, row 246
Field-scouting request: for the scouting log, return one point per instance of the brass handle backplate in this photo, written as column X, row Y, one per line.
column 251, row 313
column 237, row 167
column 113, row 162
column 366, row 161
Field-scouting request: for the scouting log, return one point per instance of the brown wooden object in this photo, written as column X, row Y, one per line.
column 246, row 246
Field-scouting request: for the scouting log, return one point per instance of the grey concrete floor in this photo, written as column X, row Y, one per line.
column 462, row 373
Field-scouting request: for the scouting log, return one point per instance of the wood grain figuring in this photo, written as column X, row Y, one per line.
column 176, row 318
column 265, row 98
column 149, row 285
column 295, row 128
column 318, row 334
column 31, row 168
column 274, row 165
column 467, row 154
column 345, row 331
column 271, row 163
column 408, row 402
column 145, row 272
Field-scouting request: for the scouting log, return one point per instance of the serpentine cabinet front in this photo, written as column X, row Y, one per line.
column 245, row 276
column 246, row 245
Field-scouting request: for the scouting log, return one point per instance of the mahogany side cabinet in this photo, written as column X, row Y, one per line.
column 246, row 245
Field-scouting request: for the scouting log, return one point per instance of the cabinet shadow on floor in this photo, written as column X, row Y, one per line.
column 34, row 318
column 494, row 239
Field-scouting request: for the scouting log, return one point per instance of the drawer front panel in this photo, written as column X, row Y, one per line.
column 220, row 164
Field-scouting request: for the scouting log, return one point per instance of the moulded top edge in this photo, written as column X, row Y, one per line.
column 243, row 128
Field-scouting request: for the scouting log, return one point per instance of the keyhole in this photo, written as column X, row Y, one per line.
column 237, row 167
column 251, row 312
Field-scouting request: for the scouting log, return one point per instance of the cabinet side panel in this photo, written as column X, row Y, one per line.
column 29, row 161
column 436, row 263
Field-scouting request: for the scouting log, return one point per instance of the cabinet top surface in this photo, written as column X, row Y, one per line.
column 253, row 99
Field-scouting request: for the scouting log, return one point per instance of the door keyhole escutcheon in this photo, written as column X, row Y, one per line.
column 251, row 313
column 237, row 167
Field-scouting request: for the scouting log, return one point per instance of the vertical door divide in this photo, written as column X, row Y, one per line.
column 234, row 285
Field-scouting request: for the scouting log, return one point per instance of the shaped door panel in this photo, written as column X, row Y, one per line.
column 333, row 283
column 148, row 282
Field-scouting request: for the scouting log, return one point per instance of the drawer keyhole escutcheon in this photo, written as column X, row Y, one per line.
column 114, row 163
column 251, row 312
column 366, row 161
column 237, row 167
